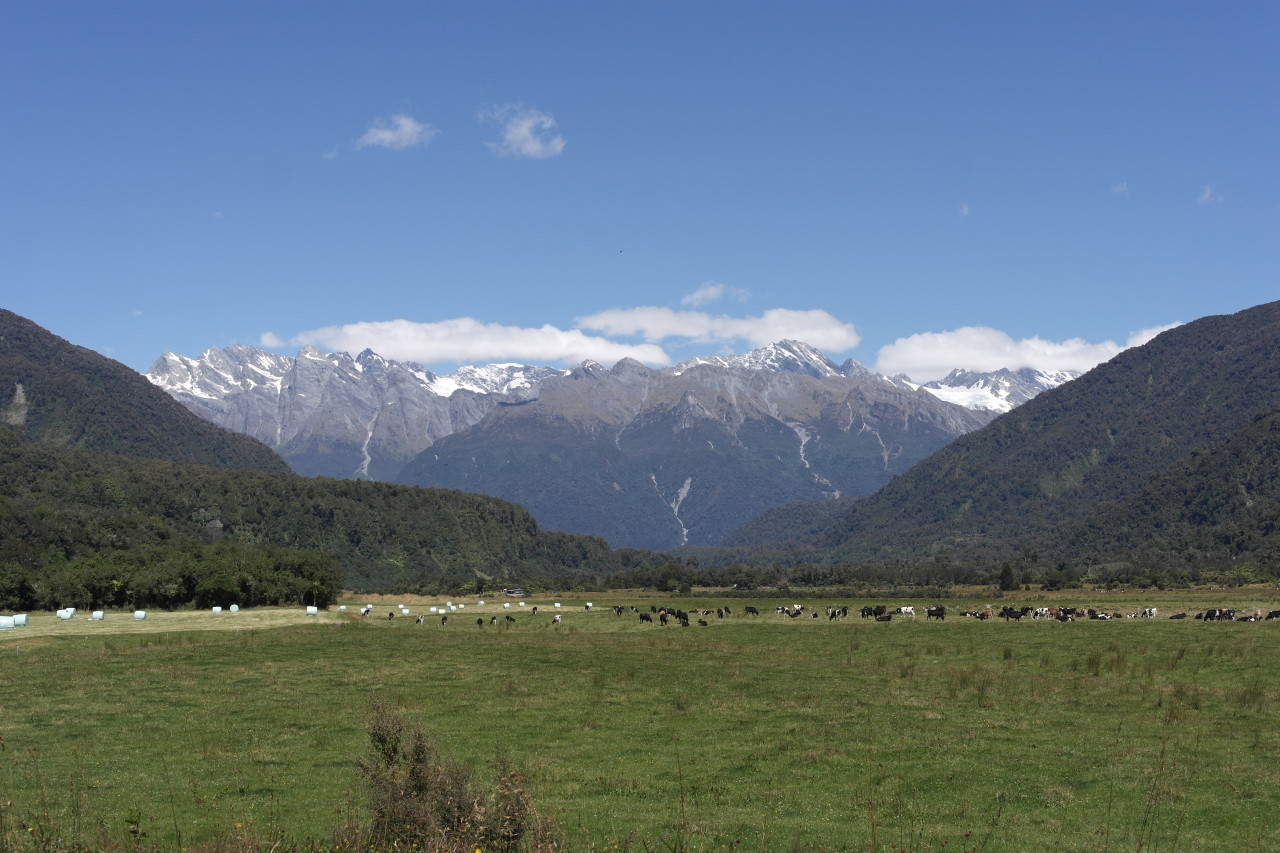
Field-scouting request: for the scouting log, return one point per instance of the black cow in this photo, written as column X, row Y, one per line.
column 509, row 618
column 645, row 617
column 935, row 611
column 751, row 611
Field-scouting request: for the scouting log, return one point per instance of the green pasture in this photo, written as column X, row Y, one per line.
column 749, row 733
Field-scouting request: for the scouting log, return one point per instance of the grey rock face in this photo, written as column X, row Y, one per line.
column 334, row 415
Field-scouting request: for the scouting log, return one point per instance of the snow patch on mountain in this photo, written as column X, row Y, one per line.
column 995, row 391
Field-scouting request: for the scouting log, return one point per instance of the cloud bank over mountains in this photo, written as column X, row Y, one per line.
column 932, row 355
column 648, row 334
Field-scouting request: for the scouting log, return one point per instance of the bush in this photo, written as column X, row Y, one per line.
column 420, row 800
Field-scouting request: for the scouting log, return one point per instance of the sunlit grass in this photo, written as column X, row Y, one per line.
column 758, row 733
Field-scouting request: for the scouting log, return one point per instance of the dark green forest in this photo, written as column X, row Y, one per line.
column 64, row 395
column 72, row 512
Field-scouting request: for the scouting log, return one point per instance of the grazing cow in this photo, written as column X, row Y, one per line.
column 1274, row 614
column 751, row 611
column 535, row 610
column 617, row 610
column 364, row 611
column 509, row 618
column 1149, row 612
column 480, row 622
column 422, row 617
column 907, row 611
column 984, row 614
column 645, row 617
column 662, row 617
column 935, row 611
column 587, row 606
column 391, row 614
column 493, row 620
column 555, row 620
column 444, row 620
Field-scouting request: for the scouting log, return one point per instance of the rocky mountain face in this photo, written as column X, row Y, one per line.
column 334, row 415
column 643, row 457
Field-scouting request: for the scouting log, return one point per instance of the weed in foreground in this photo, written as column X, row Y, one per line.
column 420, row 800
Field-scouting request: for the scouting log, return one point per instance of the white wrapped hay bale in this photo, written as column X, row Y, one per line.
column 217, row 609
column 235, row 608
column 20, row 620
column 95, row 616
column 64, row 614
column 312, row 610
column 6, row 623
column 139, row 615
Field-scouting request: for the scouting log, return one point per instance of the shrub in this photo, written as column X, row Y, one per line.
column 419, row 799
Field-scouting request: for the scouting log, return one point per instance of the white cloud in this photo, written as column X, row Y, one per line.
column 964, row 208
column 468, row 341
column 397, row 133
column 712, row 291
column 1121, row 189
column 654, row 324
column 932, row 355
column 270, row 340
column 1209, row 195
column 526, row 132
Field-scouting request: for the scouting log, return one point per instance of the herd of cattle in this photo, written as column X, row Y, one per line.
column 881, row 613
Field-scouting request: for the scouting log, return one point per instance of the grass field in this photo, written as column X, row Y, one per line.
column 751, row 733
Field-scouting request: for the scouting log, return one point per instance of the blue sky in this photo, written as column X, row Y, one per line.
column 913, row 185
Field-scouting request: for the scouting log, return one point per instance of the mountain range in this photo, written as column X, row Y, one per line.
column 644, row 457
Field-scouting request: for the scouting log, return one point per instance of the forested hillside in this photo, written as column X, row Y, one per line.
column 60, row 394
column 1099, row 468
column 61, row 508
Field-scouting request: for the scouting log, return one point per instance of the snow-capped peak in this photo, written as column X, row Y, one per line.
column 786, row 356
column 995, row 391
